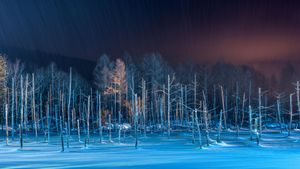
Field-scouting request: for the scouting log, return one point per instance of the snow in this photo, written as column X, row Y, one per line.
column 156, row 151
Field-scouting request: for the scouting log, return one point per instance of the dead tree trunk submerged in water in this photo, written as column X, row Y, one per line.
column 220, row 127
column 69, row 108
column 169, row 107
column 291, row 114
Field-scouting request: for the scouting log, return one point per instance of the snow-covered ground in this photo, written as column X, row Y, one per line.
column 157, row 151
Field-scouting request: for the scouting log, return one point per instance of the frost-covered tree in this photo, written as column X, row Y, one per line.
column 119, row 77
column 102, row 72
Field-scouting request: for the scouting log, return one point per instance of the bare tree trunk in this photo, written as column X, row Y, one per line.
column 119, row 115
column 22, row 105
column 144, row 105
column 161, row 112
column 169, row 108
column 243, row 109
column 51, row 106
column 135, row 109
column 78, row 130
column 195, row 107
column 100, row 117
column 198, row 128
column 109, row 120
column 48, row 121
column 73, row 111
column 69, row 107
column 88, row 119
column 291, row 113
column 115, row 106
column 220, row 127
column 21, row 136
column 181, row 105
column 237, row 109
column 22, row 114
column 259, row 111
column 298, row 98
column 33, row 108
column 6, row 122
column 206, row 119
column 61, row 135
column 132, row 96
column 26, row 101
column 73, row 118
column 256, row 133
column 41, row 111
column 279, row 112
column 250, row 122
column 13, row 109
column 223, row 105
column 214, row 104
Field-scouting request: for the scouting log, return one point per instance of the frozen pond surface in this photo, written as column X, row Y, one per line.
column 278, row 151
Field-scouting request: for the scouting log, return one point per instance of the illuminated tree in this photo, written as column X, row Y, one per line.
column 119, row 86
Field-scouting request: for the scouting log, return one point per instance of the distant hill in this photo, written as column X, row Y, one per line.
column 37, row 59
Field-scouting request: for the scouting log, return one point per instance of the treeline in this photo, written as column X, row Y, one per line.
column 140, row 97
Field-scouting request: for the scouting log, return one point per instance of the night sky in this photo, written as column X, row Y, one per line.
column 259, row 33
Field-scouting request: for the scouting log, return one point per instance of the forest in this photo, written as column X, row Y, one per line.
column 129, row 101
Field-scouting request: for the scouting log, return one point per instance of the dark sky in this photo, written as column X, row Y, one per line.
column 257, row 32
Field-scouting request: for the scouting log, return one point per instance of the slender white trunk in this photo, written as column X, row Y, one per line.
column 291, row 113
column 169, row 107
column 120, row 107
column 61, row 135
column 69, row 107
column 279, row 112
column 135, row 109
column 78, row 130
column 256, row 128
column 26, row 101
column 33, row 108
column 100, row 117
column 195, row 107
column 22, row 114
column 12, row 108
column 298, row 98
column 250, row 122
column 198, row 128
column 144, row 104
column 205, row 111
column 215, row 103
column 259, row 110
column 237, row 109
column 88, row 119
column 109, row 121
column 22, row 105
column 48, row 121
column 220, row 127
column 243, row 109
column 223, row 106
column 181, row 104
column 161, row 112
column 6, row 122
